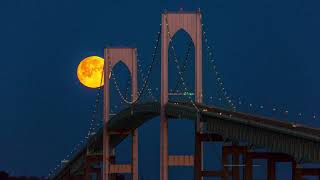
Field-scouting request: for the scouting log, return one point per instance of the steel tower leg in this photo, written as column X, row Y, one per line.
column 171, row 23
column 224, row 162
column 198, row 156
column 271, row 169
column 164, row 100
column 106, row 136
column 198, row 98
column 248, row 167
column 294, row 169
column 129, row 57
column 134, row 162
column 235, row 161
column 135, row 158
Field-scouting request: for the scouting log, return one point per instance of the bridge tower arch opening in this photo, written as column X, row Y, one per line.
column 120, row 82
column 181, row 55
column 191, row 23
column 128, row 56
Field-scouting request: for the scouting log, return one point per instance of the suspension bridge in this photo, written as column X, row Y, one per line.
column 95, row 155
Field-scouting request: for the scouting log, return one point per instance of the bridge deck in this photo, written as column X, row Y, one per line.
column 300, row 141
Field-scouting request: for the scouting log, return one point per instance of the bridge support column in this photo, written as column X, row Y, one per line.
column 294, row 170
column 224, row 162
column 129, row 57
column 248, row 167
column 235, row 163
column 235, row 151
column 198, row 155
column 164, row 101
column 272, row 159
column 90, row 169
column 198, row 163
column 300, row 172
column 113, row 161
column 171, row 23
column 66, row 175
column 164, row 156
column 271, row 169
column 134, row 156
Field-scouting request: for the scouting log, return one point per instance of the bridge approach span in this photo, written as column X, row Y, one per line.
column 301, row 142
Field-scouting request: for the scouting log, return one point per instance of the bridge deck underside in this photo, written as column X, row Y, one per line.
column 303, row 143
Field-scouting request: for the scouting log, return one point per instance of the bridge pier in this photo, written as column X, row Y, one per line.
column 272, row 158
column 235, row 151
column 128, row 56
column 171, row 23
column 66, row 176
column 200, row 172
column 92, row 159
column 95, row 159
column 300, row 172
column 115, row 169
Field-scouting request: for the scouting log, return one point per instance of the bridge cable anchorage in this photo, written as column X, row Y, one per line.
column 91, row 130
column 177, row 64
column 219, row 80
column 146, row 79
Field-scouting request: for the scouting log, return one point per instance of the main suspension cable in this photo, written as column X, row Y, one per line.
column 146, row 79
column 91, row 131
column 140, row 71
column 219, row 80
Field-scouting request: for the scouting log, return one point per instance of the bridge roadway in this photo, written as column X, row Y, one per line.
column 301, row 142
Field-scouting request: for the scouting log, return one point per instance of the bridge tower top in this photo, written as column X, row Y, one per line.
column 188, row 21
column 125, row 54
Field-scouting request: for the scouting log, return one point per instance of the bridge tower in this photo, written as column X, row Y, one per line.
column 129, row 57
column 171, row 23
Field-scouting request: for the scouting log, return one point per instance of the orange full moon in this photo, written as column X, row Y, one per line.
column 90, row 71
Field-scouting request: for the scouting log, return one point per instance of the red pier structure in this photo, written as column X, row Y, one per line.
column 171, row 23
column 129, row 57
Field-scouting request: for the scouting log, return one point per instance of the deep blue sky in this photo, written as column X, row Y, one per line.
column 267, row 51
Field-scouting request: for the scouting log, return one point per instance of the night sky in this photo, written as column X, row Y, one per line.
column 267, row 52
